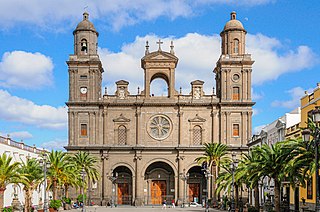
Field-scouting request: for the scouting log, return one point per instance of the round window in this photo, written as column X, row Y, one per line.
column 159, row 127
column 236, row 77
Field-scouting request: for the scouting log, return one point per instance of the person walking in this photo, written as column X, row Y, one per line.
column 173, row 204
column 164, row 204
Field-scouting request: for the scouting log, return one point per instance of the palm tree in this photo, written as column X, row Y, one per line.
column 248, row 175
column 70, row 178
column 88, row 162
column 32, row 173
column 214, row 154
column 8, row 174
column 272, row 162
column 58, row 165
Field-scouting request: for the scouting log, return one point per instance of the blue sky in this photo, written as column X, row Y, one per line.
column 36, row 38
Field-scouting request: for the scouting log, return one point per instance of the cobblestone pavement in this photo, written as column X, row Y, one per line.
column 141, row 209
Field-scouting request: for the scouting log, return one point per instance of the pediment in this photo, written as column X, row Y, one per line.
column 122, row 82
column 121, row 118
column 159, row 56
column 280, row 124
column 197, row 118
column 197, row 82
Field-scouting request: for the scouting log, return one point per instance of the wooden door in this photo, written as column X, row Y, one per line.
column 194, row 192
column 158, row 191
column 123, row 193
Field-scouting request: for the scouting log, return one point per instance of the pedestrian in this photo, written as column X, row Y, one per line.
column 164, row 204
column 173, row 204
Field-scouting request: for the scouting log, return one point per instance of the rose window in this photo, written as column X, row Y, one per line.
column 159, row 127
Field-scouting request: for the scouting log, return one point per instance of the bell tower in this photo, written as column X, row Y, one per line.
column 159, row 64
column 233, row 83
column 85, row 68
column 234, row 67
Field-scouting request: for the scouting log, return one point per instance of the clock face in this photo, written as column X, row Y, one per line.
column 83, row 90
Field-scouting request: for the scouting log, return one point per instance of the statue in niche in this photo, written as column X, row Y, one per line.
column 121, row 93
column 197, row 93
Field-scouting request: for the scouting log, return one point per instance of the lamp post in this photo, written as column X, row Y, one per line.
column 316, row 137
column 184, row 176
column 113, row 180
column 207, row 175
column 233, row 168
column 45, row 164
column 83, row 174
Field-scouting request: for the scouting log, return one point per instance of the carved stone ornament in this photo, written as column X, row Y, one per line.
column 159, row 127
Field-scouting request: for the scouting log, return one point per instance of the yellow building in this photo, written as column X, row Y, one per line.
column 308, row 103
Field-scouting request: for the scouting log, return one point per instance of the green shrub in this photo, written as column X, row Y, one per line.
column 80, row 198
column 66, row 200
column 55, row 204
column 252, row 209
column 7, row 209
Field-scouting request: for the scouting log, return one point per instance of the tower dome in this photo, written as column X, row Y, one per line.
column 85, row 24
column 233, row 24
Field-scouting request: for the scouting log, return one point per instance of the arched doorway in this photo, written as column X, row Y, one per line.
column 197, row 186
column 160, row 180
column 123, row 185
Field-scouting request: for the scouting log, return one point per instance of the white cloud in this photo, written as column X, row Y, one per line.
column 56, row 144
column 49, row 14
column 19, row 135
column 13, row 108
column 25, row 70
column 197, row 57
column 272, row 61
column 295, row 94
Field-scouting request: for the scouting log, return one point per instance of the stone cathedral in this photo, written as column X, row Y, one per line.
column 147, row 144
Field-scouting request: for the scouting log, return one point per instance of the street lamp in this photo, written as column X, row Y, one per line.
column 316, row 136
column 113, row 180
column 184, row 176
column 83, row 174
column 45, row 164
column 233, row 168
column 207, row 175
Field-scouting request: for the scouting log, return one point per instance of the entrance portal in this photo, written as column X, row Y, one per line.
column 158, row 191
column 159, row 178
column 123, row 185
column 197, row 185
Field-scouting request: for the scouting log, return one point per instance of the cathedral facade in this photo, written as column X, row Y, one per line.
column 147, row 144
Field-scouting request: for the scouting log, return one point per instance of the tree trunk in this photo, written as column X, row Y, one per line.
column 236, row 187
column 276, row 195
column 66, row 187
column 27, row 201
column 54, row 189
column 2, row 197
column 214, row 178
column 256, row 197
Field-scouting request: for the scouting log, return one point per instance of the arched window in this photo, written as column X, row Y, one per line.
column 159, row 87
column 236, row 46
column 197, row 135
column 122, row 135
column 235, row 93
column 84, row 46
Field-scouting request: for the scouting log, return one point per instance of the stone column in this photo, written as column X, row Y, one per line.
column 105, row 127
column 249, row 83
column 76, row 130
column 139, row 179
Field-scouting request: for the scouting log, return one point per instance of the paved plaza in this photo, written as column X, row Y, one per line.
column 141, row 209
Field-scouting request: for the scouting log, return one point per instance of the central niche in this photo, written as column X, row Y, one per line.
column 159, row 127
